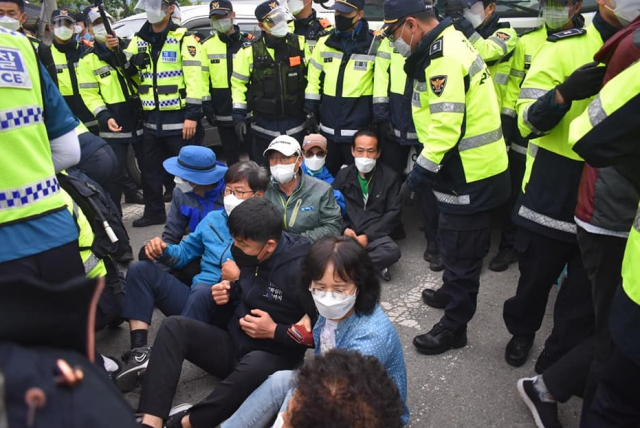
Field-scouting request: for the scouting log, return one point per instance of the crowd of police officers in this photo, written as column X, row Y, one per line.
column 502, row 124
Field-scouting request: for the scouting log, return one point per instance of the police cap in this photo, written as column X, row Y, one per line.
column 220, row 7
column 395, row 10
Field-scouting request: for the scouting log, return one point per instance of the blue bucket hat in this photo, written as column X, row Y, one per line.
column 197, row 165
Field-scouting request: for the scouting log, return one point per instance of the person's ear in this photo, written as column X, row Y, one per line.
column 360, row 14
column 23, row 19
column 271, row 245
column 490, row 9
column 233, row 16
column 259, row 194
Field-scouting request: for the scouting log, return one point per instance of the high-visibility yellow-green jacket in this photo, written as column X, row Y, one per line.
column 170, row 78
column 455, row 110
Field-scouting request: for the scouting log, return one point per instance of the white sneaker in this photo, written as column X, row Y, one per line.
column 110, row 365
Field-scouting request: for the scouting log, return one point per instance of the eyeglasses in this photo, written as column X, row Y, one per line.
column 237, row 193
column 275, row 159
column 336, row 294
column 311, row 154
column 391, row 37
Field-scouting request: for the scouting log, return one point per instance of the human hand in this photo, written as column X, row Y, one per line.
column 583, row 83
column 454, row 9
column 241, row 129
column 112, row 41
column 113, row 125
column 189, row 129
column 362, row 240
column 258, row 325
column 155, row 248
column 350, row 232
column 305, row 322
column 230, row 270
column 220, row 292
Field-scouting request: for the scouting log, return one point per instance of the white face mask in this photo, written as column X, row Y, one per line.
column 283, row 173
column 63, row 33
column 184, row 186
column 332, row 308
column 403, row 47
column 9, row 23
column 77, row 29
column 279, row 423
column 176, row 21
column 365, row 165
column 222, row 25
column 155, row 16
column 230, row 202
column 314, row 163
column 279, row 30
column 554, row 17
column 295, row 6
column 100, row 33
column 625, row 10
column 475, row 14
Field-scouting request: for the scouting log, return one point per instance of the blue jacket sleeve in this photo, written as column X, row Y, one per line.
column 58, row 118
column 190, row 248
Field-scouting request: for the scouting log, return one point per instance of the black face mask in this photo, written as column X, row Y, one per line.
column 244, row 260
column 343, row 23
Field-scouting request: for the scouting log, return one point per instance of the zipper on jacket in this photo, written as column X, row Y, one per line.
column 217, row 234
column 286, row 203
column 282, row 98
column 294, row 215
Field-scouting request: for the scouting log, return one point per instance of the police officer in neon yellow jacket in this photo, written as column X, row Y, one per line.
column 606, row 134
column 554, row 16
column 269, row 77
column 169, row 64
column 548, row 102
column 38, row 235
column 464, row 160
column 340, row 87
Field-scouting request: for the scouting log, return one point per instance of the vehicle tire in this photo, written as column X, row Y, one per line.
column 133, row 169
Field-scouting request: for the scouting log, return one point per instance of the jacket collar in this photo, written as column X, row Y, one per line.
column 420, row 59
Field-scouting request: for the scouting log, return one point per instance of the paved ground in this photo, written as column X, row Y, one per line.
column 467, row 388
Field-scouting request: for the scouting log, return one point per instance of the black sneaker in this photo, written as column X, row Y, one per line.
column 503, row 259
column 148, row 221
column 544, row 414
column 133, row 196
column 439, row 340
column 384, row 274
column 176, row 414
column 136, row 361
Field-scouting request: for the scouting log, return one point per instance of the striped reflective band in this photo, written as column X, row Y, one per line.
column 447, row 108
column 427, row 164
column 99, row 110
column 217, row 56
column 498, row 41
column 242, row 106
column 308, row 96
column 528, row 124
column 508, row 112
column 165, row 127
column 315, row 64
column 527, row 59
column 546, row 221
column 102, row 70
column 19, row 117
column 328, row 54
column 193, row 100
column 410, row 135
column 88, row 85
column 342, row 133
column 636, row 223
column 480, row 140
column 477, row 66
column 382, row 54
column 474, row 37
column 518, row 149
column 240, row 76
column 191, row 63
column 533, row 149
column 206, row 98
column 501, row 78
column 91, row 263
column 224, row 118
column 517, row 73
column 91, row 123
column 531, row 93
column 596, row 112
column 271, row 133
column 360, row 57
column 23, row 196
column 117, row 135
column 380, row 100
column 420, row 86
column 415, row 99
column 446, row 198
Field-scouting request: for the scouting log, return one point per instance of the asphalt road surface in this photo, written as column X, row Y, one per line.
column 471, row 387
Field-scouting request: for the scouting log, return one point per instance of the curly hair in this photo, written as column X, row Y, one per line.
column 350, row 262
column 344, row 389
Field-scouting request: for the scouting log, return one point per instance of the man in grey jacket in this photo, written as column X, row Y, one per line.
column 307, row 204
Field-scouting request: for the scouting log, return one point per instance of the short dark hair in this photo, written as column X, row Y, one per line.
column 366, row 132
column 345, row 389
column 256, row 219
column 255, row 175
column 350, row 261
column 425, row 15
column 20, row 4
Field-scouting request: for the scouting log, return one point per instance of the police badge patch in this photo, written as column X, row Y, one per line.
column 503, row 36
column 437, row 84
column 192, row 50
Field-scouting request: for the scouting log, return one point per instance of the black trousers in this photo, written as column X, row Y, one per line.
column 338, row 154
column 542, row 260
column 517, row 168
column 156, row 151
column 383, row 252
column 465, row 241
column 121, row 181
column 231, row 145
column 211, row 349
column 394, row 155
column 617, row 399
column 430, row 215
column 567, row 377
column 54, row 266
column 602, row 258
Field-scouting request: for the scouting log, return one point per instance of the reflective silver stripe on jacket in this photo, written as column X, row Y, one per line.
column 217, row 56
column 474, row 37
column 91, row 263
column 527, row 58
column 88, row 85
column 525, row 119
column 380, row 100
column 382, row 54
column 99, row 110
column 193, row 100
column 508, row 112
column 19, row 197
column 315, row 97
column 271, row 133
column 476, row 66
column 206, row 98
column 546, row 221
column 531, row 93
column 361, row 57
column 636, row 223
column 498, row 41
column 14, row 118
column 533, row 149
column 427, row 164
column 91, row 123
column 596, row 112
column 191, row 63
column 452, row 199
column 165, row 127
column 328, row 54
column 315, row 64
column 115, row 135
column 242, row 106
column 447, row 108
column 518, row 149
column 410, row 135
column 480, row 140
column 102, row 70
column 240, row 76
column 224, row 118
column 501, row 78
column 343, row 132
column 517, row 73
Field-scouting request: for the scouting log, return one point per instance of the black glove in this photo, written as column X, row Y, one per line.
column 311, row 124
column 141, row 60
column 583, row 83
column 454, row 9
column 241, row 129
column 509, row 128
column 385, row 129
column 407, row 196
column 419, row 178
column 464, row 26
column 207, row 109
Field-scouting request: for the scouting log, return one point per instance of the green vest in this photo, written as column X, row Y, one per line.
column 28, row 185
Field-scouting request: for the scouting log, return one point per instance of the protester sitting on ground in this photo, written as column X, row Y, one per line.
column 314, row 150
column 340, row 277
column 149, row 285
column 374, row 207
column 267, row 302
column 343, row 389
column 307, row 204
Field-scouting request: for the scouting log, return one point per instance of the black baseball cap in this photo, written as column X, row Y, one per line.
column 62, row 14
column 265, row 9
column 395, row 10
column 347, row 6
column 220, row 7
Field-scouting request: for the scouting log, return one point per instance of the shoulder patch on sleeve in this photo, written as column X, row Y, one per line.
column 502, row 35
column 435, row 51
column 437, row 84
column 192, row 50
column 636, row 38
column 565, row 34
column 325, row 23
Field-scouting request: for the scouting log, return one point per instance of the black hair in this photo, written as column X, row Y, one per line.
column 256, row 176
column 351, row 263
column 366, row 132
column 486, row 3
column 425, row 15
column 20, row 4
column 256, row 219
column 345, row 389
